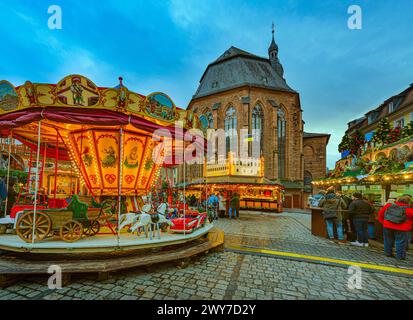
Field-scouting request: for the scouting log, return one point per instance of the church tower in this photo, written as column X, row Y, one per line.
column 273, row 55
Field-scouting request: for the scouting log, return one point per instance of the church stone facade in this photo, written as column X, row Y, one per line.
column 243, row 91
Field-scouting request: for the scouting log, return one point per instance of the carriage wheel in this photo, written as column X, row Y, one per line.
column 91, row 228
column 71, row 231
column 24, row 227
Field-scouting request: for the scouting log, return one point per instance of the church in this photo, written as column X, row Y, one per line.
column 243, row 91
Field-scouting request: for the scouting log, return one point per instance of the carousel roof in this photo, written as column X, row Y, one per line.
column 76, row 102
column 110, row 135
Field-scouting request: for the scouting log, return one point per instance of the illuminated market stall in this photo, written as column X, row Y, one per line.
column 381, row 169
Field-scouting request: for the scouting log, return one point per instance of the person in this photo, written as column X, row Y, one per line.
column 222, row 204
column 397, row 221
column 213, row 203
column 359, row 212
column 3, row 192
column 11, row 194
column 333, row 207
column 409, row 240
column 233, row 205
column 314, row 200
column 372, row 218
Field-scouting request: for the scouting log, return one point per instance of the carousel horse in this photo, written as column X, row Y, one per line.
column 128, row 219
column 148, row 220
column 131, row 218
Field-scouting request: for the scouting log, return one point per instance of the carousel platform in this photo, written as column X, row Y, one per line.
column 98, row 244
column 16, row 264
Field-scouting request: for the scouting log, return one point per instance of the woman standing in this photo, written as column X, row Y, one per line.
column 222, row 205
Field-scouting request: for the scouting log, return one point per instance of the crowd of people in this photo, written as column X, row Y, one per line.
column 353, row 219
column 217, row 203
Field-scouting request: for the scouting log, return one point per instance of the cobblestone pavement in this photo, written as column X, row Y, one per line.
column 290, row 232
column 229, row 275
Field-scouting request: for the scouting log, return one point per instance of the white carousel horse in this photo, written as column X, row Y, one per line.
column 127, row 219
column 147, row 220
column 131, row 218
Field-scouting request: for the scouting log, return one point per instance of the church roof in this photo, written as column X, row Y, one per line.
column 236, row 68
column 316, row 135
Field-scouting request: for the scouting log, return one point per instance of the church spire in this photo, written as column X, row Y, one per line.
column 273, row 55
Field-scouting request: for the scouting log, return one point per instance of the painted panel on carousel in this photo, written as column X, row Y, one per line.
column 133, row 154
column 110, row 98
column 78, row 91
column 85, row 149
column 108, row 154
column 45, row 94
column 27, row 95
column 136, row 103
column 160, row 106
column 9, row 100
column 147, row 174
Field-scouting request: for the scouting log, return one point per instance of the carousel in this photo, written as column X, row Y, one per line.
column 95, row 160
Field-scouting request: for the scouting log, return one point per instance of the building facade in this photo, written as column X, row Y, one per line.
column 248, row 98
column 377, row 152
column 398, row 109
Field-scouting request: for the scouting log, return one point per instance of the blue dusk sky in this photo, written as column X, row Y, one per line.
column 166, row 45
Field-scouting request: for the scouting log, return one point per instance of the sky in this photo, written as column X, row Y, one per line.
column 165, row 45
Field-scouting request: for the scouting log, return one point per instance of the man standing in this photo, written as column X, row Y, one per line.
column 233, row 205
column 333, row 206
column 359, row 212
column 397, row 220
column 213, row 204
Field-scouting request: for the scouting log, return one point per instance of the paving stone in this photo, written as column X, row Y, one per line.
column 244, row 277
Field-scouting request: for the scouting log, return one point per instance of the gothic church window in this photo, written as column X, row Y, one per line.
column 281, row 125
column 257, row 127
column 231, row 131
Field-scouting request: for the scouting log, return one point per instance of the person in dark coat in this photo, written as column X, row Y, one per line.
column 233, row 206
column 3, row 193
column 333, row 212
column 359, row 212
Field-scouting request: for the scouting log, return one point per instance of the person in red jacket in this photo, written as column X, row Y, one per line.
column 397, row 233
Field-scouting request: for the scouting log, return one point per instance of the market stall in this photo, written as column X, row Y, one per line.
column 380, row 174
column 260, row 197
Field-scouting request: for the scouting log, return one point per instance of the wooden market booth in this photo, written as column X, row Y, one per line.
column 377, row 188
column 253, row 196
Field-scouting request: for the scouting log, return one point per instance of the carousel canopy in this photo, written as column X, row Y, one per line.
column 107, row 133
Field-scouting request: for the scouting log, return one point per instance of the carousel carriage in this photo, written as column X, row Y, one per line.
column 192, row 221
column 70, row 223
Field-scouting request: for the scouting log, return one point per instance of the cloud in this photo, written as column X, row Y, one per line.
column 187, row 13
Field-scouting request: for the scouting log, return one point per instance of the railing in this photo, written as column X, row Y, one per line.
column 235, row 167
